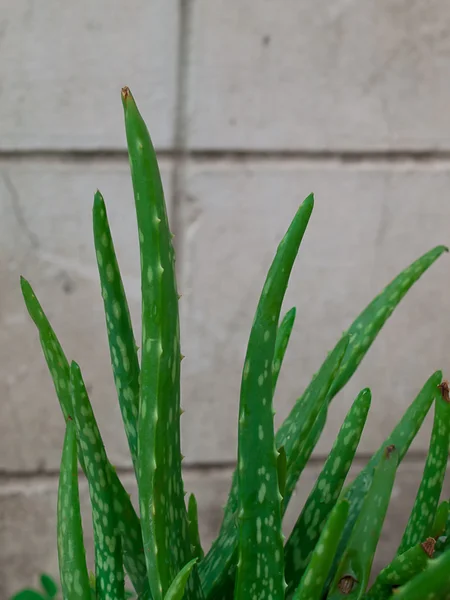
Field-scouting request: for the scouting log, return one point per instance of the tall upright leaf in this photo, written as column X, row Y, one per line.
column 424, row 510
column 107, row 543
column 123, row 351
column 314, row 578
column 161, row 495
column 260, row 546
column 306, row 531
column 219, row 575
column 71, row 554
column 353, row 572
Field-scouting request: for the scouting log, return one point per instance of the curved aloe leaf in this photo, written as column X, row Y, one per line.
column 71, row 553
column 316, row 573
column 53, row 353
column 425, row 506
column 161, row 495
column 433, row 583
column 368, row 324
column 281, row 344
column 107, row 545
column 363, row 331
column 403, row 568
column 306, row 531
column 128, row 521
column 178, row 586
column 124, row 360
column 353, row 572
column 194, row 534
column 260, row 545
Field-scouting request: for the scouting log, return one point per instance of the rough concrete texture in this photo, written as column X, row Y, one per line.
column 351, row 75
column 254, row 105
column 28, row 518
column 63, row 66
column 46, row 236
column 369, row 222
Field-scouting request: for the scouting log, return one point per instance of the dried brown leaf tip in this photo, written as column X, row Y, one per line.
column 428, row 546
column 125, row 92
column 346, row 584
column 444, row 390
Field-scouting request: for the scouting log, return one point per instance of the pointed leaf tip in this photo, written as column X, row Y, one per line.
column 444, row 390
column 128, row 100
column 126, row 93
column 98, row 198
column 309, row 202
column 310, row 198
column 24, row 284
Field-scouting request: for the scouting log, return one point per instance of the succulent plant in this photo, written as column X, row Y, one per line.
column 330, row 551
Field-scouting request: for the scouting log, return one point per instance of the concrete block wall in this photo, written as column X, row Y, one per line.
column 251, row 105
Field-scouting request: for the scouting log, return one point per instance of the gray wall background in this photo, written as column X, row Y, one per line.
column 251, row 105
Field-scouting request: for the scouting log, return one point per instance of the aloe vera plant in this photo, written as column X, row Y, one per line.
column 330, row 552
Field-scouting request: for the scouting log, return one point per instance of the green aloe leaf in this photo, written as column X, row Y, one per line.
column 440, row 521
column 161, row 494
column 107, row 543
column 353, row 572
column 49, row 585
column 194, row 534
column 281, row 344
column 401, row 437
column 305, row 534
column 282, row 470
column 178, row 586
column 71, row 553
column 423, row 514
column 368, row 324
column 403, row 568
column 316, row 573
column 122, row 345
column 58, row 366
column 28, row 595
column 363, row 331
column 291, row 437
column 215, row 568
column 432, row 584
column 260, row 545
column 53, row 353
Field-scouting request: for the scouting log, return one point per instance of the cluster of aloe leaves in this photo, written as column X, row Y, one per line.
column 330, row 551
